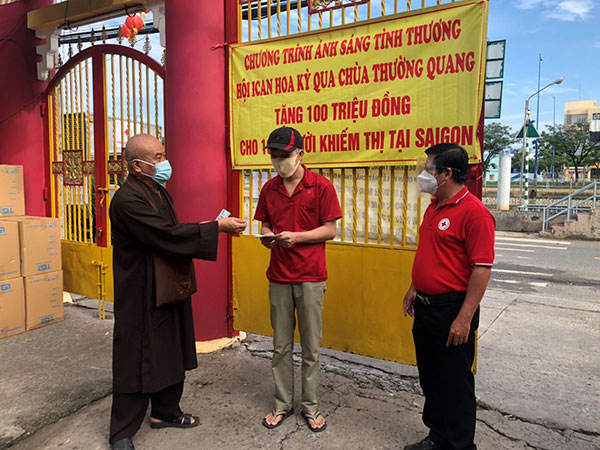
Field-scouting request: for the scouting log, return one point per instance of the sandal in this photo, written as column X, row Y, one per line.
column 122, row 444
column 183, row 421
column 314, row 417
column 284, row 414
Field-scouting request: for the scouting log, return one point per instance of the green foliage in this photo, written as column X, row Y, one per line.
column 571, row 146
column 496, row 138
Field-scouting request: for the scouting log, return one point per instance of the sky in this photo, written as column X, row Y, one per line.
column 567, row 34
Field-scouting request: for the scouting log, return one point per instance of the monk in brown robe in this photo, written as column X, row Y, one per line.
column 152, row 259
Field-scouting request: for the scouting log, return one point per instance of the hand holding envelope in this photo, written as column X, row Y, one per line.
column 285, row 239
column 269, row 240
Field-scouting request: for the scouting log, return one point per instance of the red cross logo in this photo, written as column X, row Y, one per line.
column 444, row 224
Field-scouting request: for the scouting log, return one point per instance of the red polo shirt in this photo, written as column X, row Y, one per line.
column 313, row 203
column 452, row 239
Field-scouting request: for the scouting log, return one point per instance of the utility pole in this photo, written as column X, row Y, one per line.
column 537, row 121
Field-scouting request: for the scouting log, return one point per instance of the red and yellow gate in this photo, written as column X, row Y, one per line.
column 370, row 260
column 95, row 101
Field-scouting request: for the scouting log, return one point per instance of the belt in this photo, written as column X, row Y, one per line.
column 431, row 300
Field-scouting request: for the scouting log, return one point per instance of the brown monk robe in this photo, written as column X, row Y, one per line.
column 152, row 252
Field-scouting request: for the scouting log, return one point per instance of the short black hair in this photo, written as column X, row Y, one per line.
column 450, row 156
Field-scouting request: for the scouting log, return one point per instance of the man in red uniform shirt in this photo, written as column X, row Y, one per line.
column 451, row 271
column 298, row 210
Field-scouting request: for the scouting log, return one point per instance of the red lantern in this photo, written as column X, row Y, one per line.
column 135, row 23
column 130, row 22
column 125, row 31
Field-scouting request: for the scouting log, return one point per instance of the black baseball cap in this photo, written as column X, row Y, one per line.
column 287, row 139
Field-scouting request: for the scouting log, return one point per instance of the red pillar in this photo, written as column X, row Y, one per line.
column 21, row 122
column 196, row 142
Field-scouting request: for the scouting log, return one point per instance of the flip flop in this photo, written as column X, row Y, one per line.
column 276, row 414
column 183, row 421
column 314, row 417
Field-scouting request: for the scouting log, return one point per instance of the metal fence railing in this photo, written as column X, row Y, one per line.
column 571, row 204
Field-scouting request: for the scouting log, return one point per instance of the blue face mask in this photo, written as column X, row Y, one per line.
column 162, row 171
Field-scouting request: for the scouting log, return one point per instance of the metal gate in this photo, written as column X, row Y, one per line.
column 370, row 260
column 99, row 98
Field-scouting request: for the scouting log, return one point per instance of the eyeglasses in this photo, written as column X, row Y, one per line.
column 431, row 168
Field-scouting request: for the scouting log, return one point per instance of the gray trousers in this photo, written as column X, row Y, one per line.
column 307, row 300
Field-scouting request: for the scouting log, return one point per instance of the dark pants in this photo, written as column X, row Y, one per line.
column 445, row 375
column 128, row 410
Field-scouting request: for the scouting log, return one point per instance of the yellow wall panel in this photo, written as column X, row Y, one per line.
column 81, row 274
column 362, row 310
column 250, row 286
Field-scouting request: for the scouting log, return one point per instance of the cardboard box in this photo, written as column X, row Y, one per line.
column 43, row 300
column 12, row 195
column 40, row 244
column 10, row 253
column 12, row 307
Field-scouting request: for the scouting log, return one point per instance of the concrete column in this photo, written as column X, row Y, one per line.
column 196, row 141
column 21, row 122
column 503, row 197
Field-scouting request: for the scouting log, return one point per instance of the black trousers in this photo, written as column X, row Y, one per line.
column 128, row 410
column 445, row 375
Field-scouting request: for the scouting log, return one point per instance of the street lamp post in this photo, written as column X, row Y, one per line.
column 554, row 125
column 560, row 80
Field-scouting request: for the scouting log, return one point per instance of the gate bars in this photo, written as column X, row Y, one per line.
column 380, row 205
column 133, row 103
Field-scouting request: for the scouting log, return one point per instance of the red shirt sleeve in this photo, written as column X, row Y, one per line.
column 329, row 205
column 480, row 240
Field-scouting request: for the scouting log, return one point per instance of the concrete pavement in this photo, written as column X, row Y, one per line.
column 535, row 390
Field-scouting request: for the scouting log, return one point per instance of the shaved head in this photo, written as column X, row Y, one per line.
column 143, row 147
column 140, row 145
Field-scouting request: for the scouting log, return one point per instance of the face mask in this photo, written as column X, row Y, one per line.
column 427, row 183
column 285, row 167
column 162, row 171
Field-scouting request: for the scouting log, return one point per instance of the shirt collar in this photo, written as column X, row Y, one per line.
column 309, row 177
column 454, row 200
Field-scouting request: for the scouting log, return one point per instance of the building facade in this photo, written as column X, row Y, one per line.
column 576, row 112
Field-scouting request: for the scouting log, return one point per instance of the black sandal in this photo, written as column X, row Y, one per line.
column 183, row 421
column 284, row 415
column 122, row 444
column 314, row 417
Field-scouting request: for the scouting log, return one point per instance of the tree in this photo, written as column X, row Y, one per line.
column 496, row 138
column 572, row 146
column 548, row 159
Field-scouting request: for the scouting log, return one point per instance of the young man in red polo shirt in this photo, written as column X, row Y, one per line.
column 450, row 274
column 298, row 210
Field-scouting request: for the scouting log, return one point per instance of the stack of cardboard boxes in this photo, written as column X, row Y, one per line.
column 31, row 286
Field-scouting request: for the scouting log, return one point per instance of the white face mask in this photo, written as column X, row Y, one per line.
column 285, row 167
column 427, row 183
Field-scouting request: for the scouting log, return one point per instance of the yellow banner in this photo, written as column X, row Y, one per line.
column 376, row 93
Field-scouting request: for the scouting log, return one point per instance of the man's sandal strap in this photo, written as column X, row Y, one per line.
column 279, row 413
column 185, row 419
column 313, row 416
